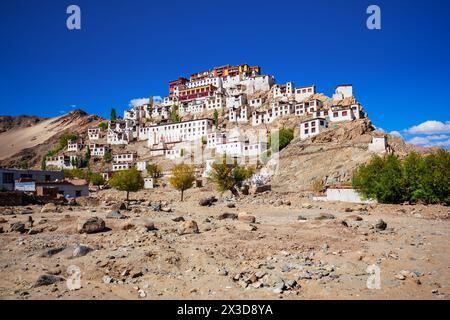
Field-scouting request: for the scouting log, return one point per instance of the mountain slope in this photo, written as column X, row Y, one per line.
column 27, row 144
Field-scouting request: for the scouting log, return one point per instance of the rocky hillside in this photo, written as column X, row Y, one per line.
column 28, row 139
column 331, row 156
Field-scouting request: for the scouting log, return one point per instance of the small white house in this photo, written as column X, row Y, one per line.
column 343, row 91
column 73, row 145
column 124, row 157
column 378, row 145
column 148, row 183
column 141, row 165
column 303, row 93
column 312, row 127
column 94, row 133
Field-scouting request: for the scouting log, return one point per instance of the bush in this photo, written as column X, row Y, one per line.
column 103, row 125
column 416, row 178
column 96, row 179
column 280, row 139
column 107, row 157
column 127, row 180
column 227, row 176
column 182, row 178
column 154, row 170
column 317, row 186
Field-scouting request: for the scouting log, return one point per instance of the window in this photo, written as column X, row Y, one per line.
column 335, row 114
column 78, row 193
column 306, row 131
column 306, row 125
column 313, row 130
column 344, row 113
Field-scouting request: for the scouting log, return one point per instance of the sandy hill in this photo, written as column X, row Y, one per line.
column 29, row 138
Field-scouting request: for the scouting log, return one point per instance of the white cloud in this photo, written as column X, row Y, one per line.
column 431, row 141
column 430, row 127
column 138, row 102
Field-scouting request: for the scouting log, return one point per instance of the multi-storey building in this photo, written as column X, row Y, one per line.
column 302, row 93
column 63, row 161
column 99, row 150
column 75, row 145
column 124, row 157
column 94, row 133
column 180, row 131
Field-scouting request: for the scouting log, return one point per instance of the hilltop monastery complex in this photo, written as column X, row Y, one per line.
column 241, row 94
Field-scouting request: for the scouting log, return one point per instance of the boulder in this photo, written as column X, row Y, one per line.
column 246, row 227
column 17, row 227
column 207, row 202
column 91, row 225
column 47, row 279
column 144, row 222
column 381, row 225
column 87, row 201
column 115, row 214
column 119, row 206
column 188, row 227
column 245, row 217
column 231, row 205
column 227, row 215
column 178, row 219
column 80, row 251
column 156, row 206
column 325, row 216
column 49, row 207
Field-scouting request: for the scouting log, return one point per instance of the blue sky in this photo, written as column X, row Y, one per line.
column 131, row 49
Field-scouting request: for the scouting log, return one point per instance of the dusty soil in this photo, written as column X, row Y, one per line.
column 306, row 258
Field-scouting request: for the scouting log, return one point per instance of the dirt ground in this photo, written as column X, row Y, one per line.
column 294, row 250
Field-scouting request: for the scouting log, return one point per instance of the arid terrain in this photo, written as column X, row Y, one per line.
column 295, row 249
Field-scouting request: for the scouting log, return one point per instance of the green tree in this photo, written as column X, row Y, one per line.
column 87, row 156
column 174, row 114
column 216, row 119
column 107, row 157
column 64, row 139
column 96, row 179
column 76, row 173
column 113, row 115
column 182, row 178
column 103, row 125
column 154, row 170
column 280, row 139
column 227, row 176
column 127, row 180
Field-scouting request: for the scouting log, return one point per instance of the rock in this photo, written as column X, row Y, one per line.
column 222, row 272
column 142, row 293
column 87, row 201
column 261, row 189
column 156, row 206
column 107, row 279
column 119, row 206
column 353, row 218
column 91, row 225
column 301, row 218
column 325, row 216
column 290, row 284
column 207, row 202
column 188, row 227
column 400, row 276
column 144, row 222
column 80, row 251
column 307, row 205
column 348, row 209
column 231, row 205
column 3, row 220
column 279, row 287
column 115, row 214
column 17, row 227
column 1, row 230
column 34, row 231
column 380, row 225
column 178, row 219
column 244, row 217
column 49, row 207
column 304, row 275
column 246, row 227
column 51, row 252
column 227, row 215
column 137, row 274
column 287, row 203
column 47, row 279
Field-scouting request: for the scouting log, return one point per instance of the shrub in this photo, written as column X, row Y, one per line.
column 96, row 179
column 107, row 157
column 280, row 139
column 416, row 178
column 154, row 170
column 227, row 176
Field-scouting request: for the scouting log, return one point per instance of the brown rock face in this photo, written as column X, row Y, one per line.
column 48, row 207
